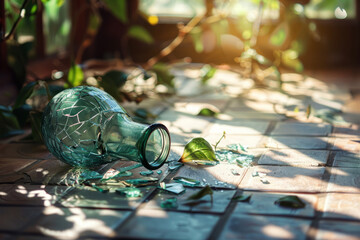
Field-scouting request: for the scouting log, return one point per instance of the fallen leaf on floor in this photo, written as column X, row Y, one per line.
column 201, row 193
column 290, row 201
column 242, row 198
column 199, row 152
column 207, row 112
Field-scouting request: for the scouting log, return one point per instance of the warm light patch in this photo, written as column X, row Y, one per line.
column 153, row 20
column 274, row 231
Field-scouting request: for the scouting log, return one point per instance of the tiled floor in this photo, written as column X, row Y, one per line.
column 293, row 155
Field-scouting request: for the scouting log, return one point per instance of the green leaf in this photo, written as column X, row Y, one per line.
column 75, row 75
column 24, row 94
column 8, row 122
column 207, row 112
column 199, row 152
column 201, row 193
column 242, row 198
column 219, row 28
column 207, row 72
column 196, row 34
column 141, row 34
column 118, row 8
column 290, row 59
column 279, row 35
column 290, row 202
column 251, row 53
column 163, row 74
column 35, row 118
column 112, row 81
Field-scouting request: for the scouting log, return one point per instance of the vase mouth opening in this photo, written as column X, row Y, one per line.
column 156, row 146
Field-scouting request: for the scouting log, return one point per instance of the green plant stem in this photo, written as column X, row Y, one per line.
column 217, row 143
column 13, row 28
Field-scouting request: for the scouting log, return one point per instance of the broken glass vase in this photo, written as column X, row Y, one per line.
column 85, row 126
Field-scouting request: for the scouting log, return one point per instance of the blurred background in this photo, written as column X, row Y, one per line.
column 63, row 44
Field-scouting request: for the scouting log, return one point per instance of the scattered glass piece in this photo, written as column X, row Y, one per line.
column 100, row 189
column 129, row 192
column 176, row 188
column 124, row 174
column 142, row 181
column 264, row 181
column 110, row 173
column 174, row 165
column 237, row 147
column 262, row 174
column 146, row 173
column 187, row 181
column 130, row 167
column 290, row 202
column 169, row 203
column 159, row 172
column 241, row 159
column 255, row 174
column 89, row 175
column 235, row 172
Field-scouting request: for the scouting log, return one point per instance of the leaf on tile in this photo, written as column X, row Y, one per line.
column 207, row 112
column 199, row 152
column 201, row 193
column 290, row 201
column 242, row 198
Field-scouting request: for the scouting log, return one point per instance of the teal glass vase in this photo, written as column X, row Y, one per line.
column 85, row 126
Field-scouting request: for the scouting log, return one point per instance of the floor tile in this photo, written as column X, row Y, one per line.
column 159, row 224
column 301, row 129
column 293, row 157
column 284, row 178
column 342, row 206
column 344, row 180
column 236, row 127
column 264, row 203
column 241, row 226
column 89, row 197
column 73, row 223
column 178, row 122
column 31, row 195
column 221, row 200
column 335, row 230
column 347, row 144
column 220, row 176
column 297, row 142
column 9, row 165
column 18, row 217
column 26, row 150
column 347, row 159
column 247, row 141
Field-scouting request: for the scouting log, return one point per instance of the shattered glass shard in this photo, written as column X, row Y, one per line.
column 142, row 181
column 169, row 203
column 129, row 192
column 176, row 188
column 146, row 173
column 174, row 165
column 187, row 181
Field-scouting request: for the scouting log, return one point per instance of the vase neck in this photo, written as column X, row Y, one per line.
column 124, row 138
